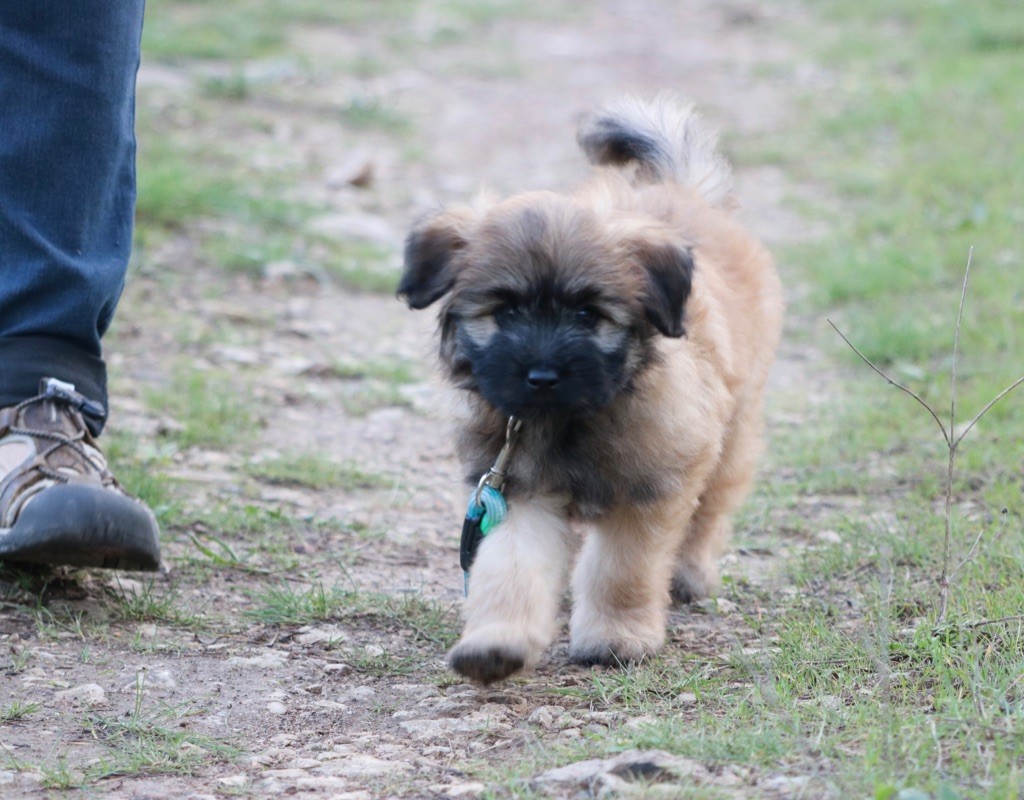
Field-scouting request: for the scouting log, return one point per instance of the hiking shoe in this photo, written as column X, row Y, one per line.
column 59, row 503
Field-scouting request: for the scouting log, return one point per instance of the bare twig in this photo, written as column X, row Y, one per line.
column 983, row 622
column 948, row 537
column 953, row 441
column 991, row 403
column 969, row 557
column 956, row 342
column 898, row 385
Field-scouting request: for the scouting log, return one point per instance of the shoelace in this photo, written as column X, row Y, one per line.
column 92, row 457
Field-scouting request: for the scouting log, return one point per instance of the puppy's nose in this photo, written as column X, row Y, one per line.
column 542, row 377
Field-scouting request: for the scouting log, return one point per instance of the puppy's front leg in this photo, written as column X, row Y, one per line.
column 514, row 591
column 621, row 583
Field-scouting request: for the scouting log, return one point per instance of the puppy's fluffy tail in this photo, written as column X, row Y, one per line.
column 665, row 138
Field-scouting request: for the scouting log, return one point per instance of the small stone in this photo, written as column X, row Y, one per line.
column 337, row 668
column 828, row 537
column 359, row 694
column 788, row 783
column 544, row 716
column 125, row 587
column 233, row 780
column 726, row 606
column 361, row 766
column 613, row 776
column 161, row 679
column 303, row 763
column 461, row 789
column 284, row 774
column 277, row 707
column 324, row 633
column 461, row 688
column 88, row 694
column 262, row 661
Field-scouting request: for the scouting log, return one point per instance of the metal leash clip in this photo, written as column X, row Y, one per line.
column 495, row 477
column 487, row 507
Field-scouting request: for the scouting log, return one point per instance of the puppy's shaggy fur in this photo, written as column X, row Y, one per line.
column 631, row 326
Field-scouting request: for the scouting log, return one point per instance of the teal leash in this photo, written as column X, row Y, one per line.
column 487, row 507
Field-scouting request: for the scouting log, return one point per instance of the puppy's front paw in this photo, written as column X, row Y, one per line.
column 491, row 653
column 485, row 664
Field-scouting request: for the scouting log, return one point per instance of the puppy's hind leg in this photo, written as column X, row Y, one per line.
column 696, row 570
column 514, row 591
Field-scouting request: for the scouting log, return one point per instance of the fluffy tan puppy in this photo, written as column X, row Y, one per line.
column 629, row 326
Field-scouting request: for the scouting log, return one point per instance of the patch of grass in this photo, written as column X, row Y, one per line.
column 154, row 741
column 284, row 604
column 430, row 622
column 233, row 86
column 18, row 710
column 140, row 469
column 172, row 192
column 373, row 384
column 211, row 408
column 150, row 604
column 363, row 113
column 389, row 371
column 64, row 622
column 314, row 471
column 381, row 663
column 361, row 266
column 917, row 140
column 58, row 775
column 370, row 397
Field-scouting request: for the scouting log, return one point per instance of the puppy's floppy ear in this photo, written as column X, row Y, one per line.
column 429, row 249
column 669, row 272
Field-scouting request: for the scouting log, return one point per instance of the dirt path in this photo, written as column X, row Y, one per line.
column 359, row 706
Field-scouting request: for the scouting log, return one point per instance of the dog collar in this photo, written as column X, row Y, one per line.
column 487, row 507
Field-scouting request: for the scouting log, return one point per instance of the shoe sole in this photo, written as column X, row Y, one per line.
column 84, row 526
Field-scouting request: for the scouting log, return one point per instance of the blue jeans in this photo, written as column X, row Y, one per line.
column 67, row 186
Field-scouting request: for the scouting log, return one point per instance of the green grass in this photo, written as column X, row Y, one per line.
column 17, row 710
column 919, row 139
column 431, row 623
column 373, row 113
column 153, row 741
column 211, row 408
column 154, row 603
column 140, row 469
column 314, row 471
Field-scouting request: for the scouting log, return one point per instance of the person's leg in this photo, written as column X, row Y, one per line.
column 67, row 187
column 67, row 195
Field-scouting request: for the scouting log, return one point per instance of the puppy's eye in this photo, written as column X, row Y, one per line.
column 588, row 315
column 507, row 312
